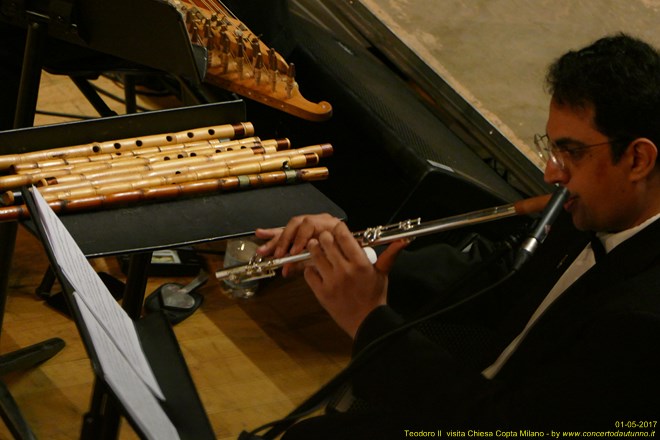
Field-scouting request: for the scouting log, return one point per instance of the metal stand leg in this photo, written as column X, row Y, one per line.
column 20, row 359
column 103, row 419
column 136, row 283
column 31, row 356
column 45, row 287
column 130, row 96
column 28, row 91
column 7, row 243
column 35, row 354
column 12, row 416
column 90, row 94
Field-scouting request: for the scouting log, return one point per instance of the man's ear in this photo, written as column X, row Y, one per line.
column 644, row 154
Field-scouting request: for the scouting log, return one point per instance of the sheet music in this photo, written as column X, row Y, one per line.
column 136, row 397
column 98, row 300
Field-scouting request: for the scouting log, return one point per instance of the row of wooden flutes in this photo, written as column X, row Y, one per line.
column 202, row 160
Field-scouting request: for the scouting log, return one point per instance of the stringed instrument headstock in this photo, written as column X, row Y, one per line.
column 240, row 62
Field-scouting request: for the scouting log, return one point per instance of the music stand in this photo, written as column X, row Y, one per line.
column 181, row 404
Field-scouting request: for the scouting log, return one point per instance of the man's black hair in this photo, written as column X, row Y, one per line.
column 620, row 76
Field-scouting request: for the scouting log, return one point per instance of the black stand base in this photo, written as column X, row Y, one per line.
column 31, row 356
column 20, row 360
column 154, row 303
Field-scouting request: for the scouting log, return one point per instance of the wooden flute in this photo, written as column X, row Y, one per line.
column 96, row 175
column 118, row 161
column 143, row 165
column 229, row 131
column 259, row 267
column 295, row 158
column 300, row 161
column 172, row 167
column 200, row 156
column 159, row 193
column 154, row 151
column 77, row 173
column 86, row 171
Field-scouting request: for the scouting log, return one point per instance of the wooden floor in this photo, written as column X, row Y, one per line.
column 252, row 360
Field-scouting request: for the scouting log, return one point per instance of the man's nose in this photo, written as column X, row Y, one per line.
column 554, row 174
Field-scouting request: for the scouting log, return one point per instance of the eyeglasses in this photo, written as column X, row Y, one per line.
column 549, row 151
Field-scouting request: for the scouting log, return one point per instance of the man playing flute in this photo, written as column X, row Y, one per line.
column 572, row 344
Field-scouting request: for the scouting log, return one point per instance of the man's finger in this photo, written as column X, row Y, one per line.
column 272, row 237
column 348, row 245
column 388, row 256
column 319, row 257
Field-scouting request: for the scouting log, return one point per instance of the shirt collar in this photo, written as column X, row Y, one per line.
column 612, row 240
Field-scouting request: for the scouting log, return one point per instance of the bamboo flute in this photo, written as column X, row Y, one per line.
column 35, row 167
column 146, row 173
column 223, row 171
column 113, row 168
column 207, row 186
column 140, row 166
column 270, row 146
column 179, row 166
column 17, row 180
column 230, row 131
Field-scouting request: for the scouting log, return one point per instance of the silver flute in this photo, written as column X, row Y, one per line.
column 259, row 267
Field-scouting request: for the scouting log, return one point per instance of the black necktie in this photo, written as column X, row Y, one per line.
column 598, row 248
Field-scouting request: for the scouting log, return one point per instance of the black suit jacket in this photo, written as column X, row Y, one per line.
column 592, row 360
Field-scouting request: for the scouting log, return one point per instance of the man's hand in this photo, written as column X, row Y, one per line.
column 346, row 284
column 293, row 238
